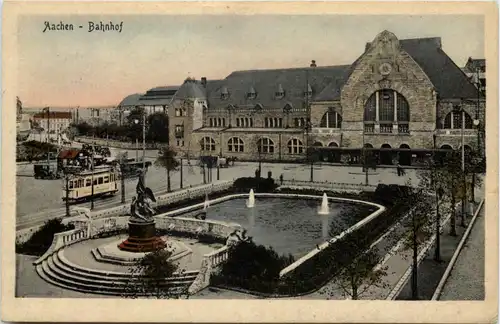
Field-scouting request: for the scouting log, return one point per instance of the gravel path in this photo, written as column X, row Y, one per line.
column 466, row 281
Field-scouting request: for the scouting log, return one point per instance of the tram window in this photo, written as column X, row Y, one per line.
column 111, row 177
column 80, row 183
column 88, row 183
column 70, row 184
column 100, row 180
column 95, row 182
column 106, row 179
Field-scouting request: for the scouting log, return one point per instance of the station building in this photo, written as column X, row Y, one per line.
column 402, row 98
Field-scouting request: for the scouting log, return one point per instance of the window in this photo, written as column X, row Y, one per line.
column 80, row 183
column 95, row 182
column 179, row 131
column 88, row 183
column 295, row 146
column 180, row 142
column 235, row 144
column 387, row 107
column 177, row 112
column 211, row 122
column 70, row 184
column 265, row 145
column 331, row 119
column 279, row 94
column 453, row 120
column 100, row 180
column 106, row 179
column 207, row 144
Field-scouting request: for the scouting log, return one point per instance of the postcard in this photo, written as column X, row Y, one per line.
column 250, row 162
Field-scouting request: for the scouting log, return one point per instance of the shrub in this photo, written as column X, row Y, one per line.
column 253, row 267
column 41, row 240
column 389, row 194
column 258, row 184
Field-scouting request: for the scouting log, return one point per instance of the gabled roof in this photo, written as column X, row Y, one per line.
column 131, row 100
column 191, row 89
column 473, row 64
column 448, row 79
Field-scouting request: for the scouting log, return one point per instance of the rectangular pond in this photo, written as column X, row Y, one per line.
column 288, row 225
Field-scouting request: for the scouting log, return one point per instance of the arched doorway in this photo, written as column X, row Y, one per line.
column 386, row 156
column 334, row 155
column 404, row 156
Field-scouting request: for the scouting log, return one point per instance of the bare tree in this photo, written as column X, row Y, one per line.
column 361, row 274
column 418, row 228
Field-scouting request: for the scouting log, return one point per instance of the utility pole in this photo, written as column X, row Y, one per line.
column 122, row 174
column 92, row 168
column 67, row 178
column 181, row 173
column 464, row 184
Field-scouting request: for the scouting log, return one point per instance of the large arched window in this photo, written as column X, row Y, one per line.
column 453, row 120
column 207, row 144
column 235, row 144
column 387, row 107
column 331, row 119
column 265, row 145
column 295, row 146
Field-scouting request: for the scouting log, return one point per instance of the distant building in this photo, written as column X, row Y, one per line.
column 53, row 121
column 94, row 115
column 475, row 69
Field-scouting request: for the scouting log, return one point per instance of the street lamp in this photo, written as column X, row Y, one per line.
column 136, row 121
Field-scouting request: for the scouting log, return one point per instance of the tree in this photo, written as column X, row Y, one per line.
column 431, row 179
column 149, row 276
column 357, row 277
column 134, row 130
column 417, row 229
column 167, row 160
column 158, row 128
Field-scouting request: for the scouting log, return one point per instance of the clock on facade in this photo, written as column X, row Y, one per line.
column 385, row 68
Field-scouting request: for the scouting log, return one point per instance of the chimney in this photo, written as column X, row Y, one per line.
column 313, row 63
column 204, row 82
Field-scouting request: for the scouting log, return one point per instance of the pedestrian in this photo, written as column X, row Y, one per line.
column 399, row 170
column 281, row 179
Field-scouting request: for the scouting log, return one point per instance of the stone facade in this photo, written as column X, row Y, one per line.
column 397, row 94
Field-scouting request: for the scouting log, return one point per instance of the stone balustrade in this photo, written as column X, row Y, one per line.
column 335, row 186
column 162, row 200
column 209, row 265
column 62, row 240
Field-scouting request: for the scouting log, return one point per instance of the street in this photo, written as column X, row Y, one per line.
column 39, row 200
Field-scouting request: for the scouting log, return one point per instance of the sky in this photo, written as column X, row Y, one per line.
column 81, row 68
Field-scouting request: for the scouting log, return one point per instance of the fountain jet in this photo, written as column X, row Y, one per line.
column 251, row 199
column 206, row 204
column 324, row 209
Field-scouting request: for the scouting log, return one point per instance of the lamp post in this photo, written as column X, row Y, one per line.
column 437, row 252
column 136, row 121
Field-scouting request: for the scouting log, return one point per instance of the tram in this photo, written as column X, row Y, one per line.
column 79, row 187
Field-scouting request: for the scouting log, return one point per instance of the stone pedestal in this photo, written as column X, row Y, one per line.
column 142, row 238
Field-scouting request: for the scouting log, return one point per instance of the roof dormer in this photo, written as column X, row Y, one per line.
column 224, row 93
column 309, row 91
column 280, row 93
column 251, row 94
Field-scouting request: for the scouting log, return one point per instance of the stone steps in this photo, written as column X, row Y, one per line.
column 57, row 270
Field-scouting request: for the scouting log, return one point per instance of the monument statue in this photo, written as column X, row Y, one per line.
column 140, row 207
column 141, row 226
